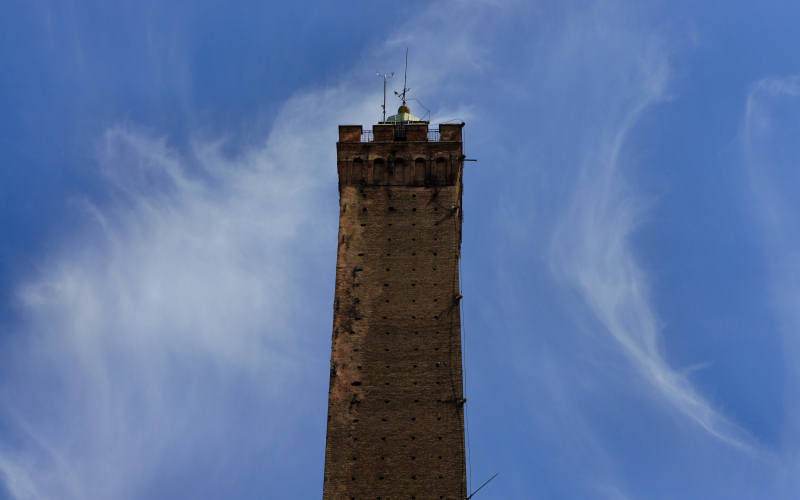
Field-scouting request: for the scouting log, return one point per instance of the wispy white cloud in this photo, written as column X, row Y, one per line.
column 771, row 156
column 142, row 334
column 168, row 338
column 591, row 247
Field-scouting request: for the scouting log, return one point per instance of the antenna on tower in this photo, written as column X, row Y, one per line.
column 402, row 95
column 385, row 77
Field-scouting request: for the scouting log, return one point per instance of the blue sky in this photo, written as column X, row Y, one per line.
column 631, row 258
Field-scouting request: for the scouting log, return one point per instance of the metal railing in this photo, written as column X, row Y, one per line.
column 400, row 133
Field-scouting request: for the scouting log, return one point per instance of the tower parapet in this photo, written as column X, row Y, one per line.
column 419, row 157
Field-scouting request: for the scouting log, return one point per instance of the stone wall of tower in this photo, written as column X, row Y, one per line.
column 395, row 408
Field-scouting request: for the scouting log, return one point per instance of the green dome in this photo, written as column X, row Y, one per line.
column 403, row 115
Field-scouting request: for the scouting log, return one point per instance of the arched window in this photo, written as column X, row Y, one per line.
column 419, row 171
column 440, row 170
column 379, row 171
column 357, row 172
column 398, row 172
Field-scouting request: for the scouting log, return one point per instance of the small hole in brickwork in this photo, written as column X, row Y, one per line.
column 440, row 438
column 413, row 438
column 357, row 300
column 388, row 255
column 416, row 348
column 387, row 300
column 413, row 317
column 440, row 476
column 438, row 364
column 383, row 438
column 363, row 225
column 391, row 209
column 387, row 269
column 386, row 284
column 413, row 239
column 413, row 253
column 436, row 300
column 413, row 419
column 386, row 401
column 355, row 420
column 413, row 268
column 414, row 366
column 357, row 382
column 415, row 383
column 384, row 420
column 438, row 383
column 387, row 366
column 381, row 478
column 359, row 367
column 386, row 349
column 413, row 196
column 390, row 224
column 413, row 284
column 413, row 224
column 353, row 478
column 435, row 254
column 435, row 209
column 413, row 301
column 413, row 458
column 435, row 348
column 436, row 317
column 440, row 457
column 385, row 317
column 361, row 254
column 383, row 458
column 413, row 209
column 438, row 418
column 434, row 268
column 355, row 349
column 387, row 333
column 416, row 400
column 414, row 478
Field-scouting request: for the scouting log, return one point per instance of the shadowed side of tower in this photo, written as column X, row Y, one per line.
column 395, row 405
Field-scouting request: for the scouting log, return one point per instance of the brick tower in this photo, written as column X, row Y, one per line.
column 395, row 403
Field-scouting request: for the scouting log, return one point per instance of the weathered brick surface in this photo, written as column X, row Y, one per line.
column 395, row 408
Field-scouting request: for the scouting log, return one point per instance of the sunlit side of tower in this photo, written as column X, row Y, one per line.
column 396, row 406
